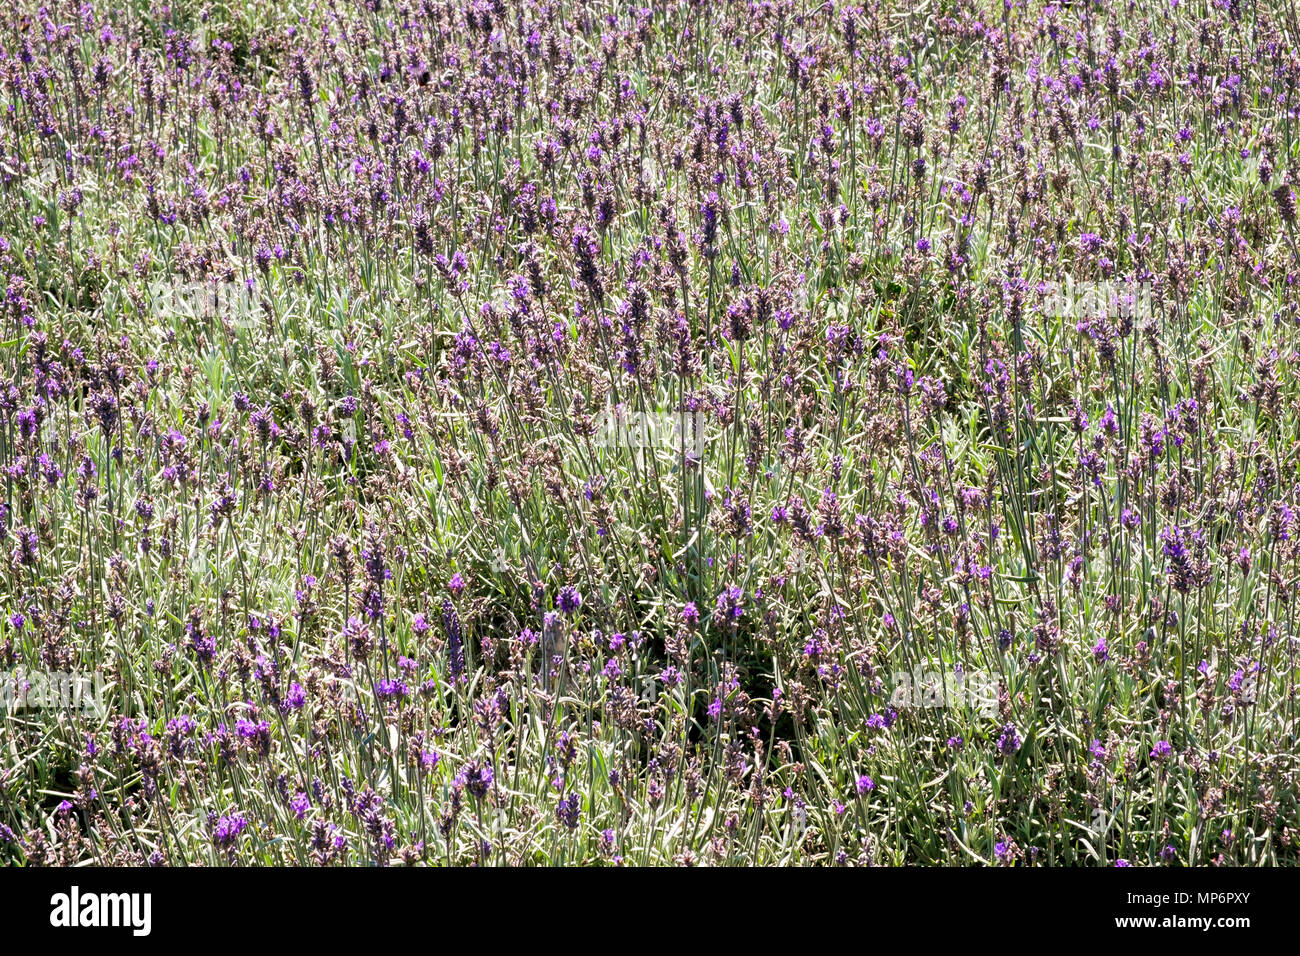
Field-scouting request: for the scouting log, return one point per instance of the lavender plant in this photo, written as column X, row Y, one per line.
column 515, row 433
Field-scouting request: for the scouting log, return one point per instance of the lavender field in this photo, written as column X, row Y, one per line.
column 710, row 433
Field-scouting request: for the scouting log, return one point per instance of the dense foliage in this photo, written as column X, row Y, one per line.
column 708, row 432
